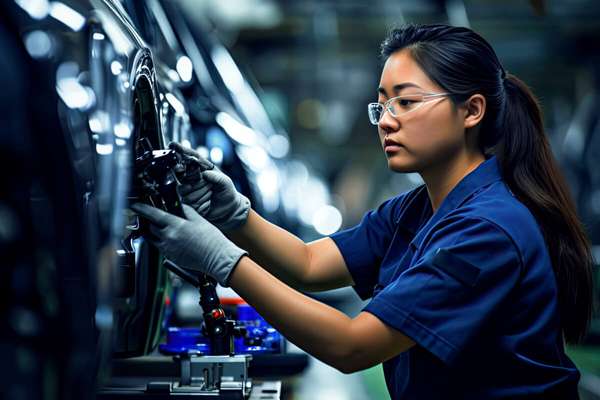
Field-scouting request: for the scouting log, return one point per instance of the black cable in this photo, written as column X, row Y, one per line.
column 180, row 272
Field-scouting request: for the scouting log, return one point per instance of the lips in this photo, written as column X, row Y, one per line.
column 389, row 142
column 390, row 146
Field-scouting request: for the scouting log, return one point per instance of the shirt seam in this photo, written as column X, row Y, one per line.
column 421, row 249
column 455, row 205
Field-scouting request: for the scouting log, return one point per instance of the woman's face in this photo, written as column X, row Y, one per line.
column 425, row 137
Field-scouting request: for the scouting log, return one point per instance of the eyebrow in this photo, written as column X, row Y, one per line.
column 397, row 87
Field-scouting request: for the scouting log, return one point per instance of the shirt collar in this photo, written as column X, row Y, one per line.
column 486, row 173
column 415, row 211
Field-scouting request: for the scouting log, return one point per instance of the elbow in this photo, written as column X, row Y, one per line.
column 350, row 363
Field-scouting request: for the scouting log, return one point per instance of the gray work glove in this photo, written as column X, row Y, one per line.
column 194, row 190
column 192, row 243
column 212, row 193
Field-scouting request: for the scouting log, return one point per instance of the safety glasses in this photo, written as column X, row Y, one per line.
column 401, row 105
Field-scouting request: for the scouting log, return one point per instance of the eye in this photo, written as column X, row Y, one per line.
column 406, row 102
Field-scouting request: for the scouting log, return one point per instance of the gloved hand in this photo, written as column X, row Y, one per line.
column 192, row 243
column 220, row 203
column 194, row 189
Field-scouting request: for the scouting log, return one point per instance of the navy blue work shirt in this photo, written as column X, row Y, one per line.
column 472, row 285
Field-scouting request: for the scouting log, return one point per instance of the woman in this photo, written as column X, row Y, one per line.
column 476, row 279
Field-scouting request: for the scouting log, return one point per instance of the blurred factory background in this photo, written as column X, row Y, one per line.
column 317, row 65
column 275, row 92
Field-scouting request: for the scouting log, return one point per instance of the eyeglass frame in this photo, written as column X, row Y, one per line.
column 386, row 106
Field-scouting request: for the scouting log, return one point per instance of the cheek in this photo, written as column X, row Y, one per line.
column 433, row 137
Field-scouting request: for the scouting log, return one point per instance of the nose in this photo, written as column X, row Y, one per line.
column 388, row 123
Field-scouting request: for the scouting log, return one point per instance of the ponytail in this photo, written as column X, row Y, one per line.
column 531, row 172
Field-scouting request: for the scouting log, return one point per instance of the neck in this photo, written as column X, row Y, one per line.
column 441, row 178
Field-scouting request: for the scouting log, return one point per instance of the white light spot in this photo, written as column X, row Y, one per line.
column 173, row 75
column 175, row 103
column 314, row 196
column 268, row 184
column 38, row 44
column 236, row 130
column 67, row 15
column 37, row 9
column 91, row 98
column 255, row 157
column 327, row 220
column 279, row 146
column 104, row 149
column 120, row 142
column 216, row 155
column 98, row 122
column 116, row 67
column 186, row 143
column 185, row 68
column 98, row 36
column 68, row 69
column 268, row 181
column 74, row 94
column 95, row 125
column 187, row 300
column 228, row 70
column 298, row 170
column 203, row 151
column 122, row 130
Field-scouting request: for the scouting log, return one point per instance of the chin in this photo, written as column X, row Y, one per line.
column 397, row 164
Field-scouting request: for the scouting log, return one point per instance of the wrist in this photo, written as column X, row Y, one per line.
column 238, row 217
column 227, row 280
column 229, row 259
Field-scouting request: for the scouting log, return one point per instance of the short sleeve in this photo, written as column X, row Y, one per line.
column 364, row 245
column 444, row 299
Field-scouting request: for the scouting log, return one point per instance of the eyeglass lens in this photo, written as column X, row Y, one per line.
column 396, row 106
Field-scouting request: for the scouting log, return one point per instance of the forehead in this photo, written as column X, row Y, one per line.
column 400, row 67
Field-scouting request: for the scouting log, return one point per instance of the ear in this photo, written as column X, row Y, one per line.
column 474, row 110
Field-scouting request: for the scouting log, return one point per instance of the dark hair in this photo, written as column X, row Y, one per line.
column 463, row 63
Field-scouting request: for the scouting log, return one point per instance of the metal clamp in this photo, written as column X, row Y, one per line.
column 214, row 374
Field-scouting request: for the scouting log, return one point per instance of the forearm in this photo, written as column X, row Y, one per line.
column 275, row 249
column 315, row 327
